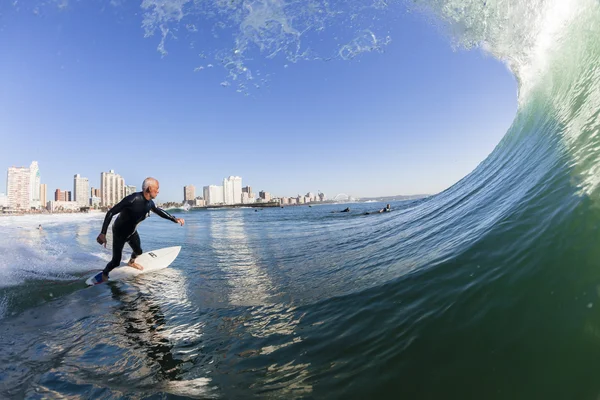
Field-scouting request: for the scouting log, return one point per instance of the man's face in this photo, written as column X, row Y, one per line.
column 153, row 190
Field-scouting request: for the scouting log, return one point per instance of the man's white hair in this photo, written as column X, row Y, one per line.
column 149, row 182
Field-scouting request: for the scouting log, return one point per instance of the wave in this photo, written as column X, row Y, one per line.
column 493, row 282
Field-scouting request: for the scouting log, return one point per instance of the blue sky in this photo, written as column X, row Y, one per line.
column 84, row 91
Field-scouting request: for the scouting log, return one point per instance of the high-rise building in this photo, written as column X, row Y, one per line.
column 213, row 194
column 63, row 195
column 34, row 182
column 247, row 189
column 129, row 189
column 266, row 196
column 247, row 198
column 60, row 195
column 81, row 188
column 43, row 195
column 232, row 190
column 18, row 187
column 112, row 188
column 189, row 193
column 95, row 192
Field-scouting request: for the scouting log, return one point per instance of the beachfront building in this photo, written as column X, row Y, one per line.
column 248, row 198
column 112, row 188
column 43, row 194
column 129, row 189
column 34, row 182
column 95, row 201
column 81, row 188
column 56, row 206
column 311, row 197
column 247, row 195
column 213, row 194
column 189, row 193
column 199, row 202
column 232, row 190
column 62, row 195
column 95, row 192
column 264, row 196
column 18, row 187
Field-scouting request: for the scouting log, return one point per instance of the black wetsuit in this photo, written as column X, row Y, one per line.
column 132, row 210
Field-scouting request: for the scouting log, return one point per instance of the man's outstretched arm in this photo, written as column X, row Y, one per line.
column 163, row 214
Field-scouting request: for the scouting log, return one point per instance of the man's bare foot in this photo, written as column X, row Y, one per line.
column 135, row 265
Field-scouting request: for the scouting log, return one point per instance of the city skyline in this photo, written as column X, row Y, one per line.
column 411, row 117
column 24, row 190
column 90, row 186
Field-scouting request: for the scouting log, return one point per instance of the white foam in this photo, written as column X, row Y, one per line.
column 48, row 254
column 524, row 34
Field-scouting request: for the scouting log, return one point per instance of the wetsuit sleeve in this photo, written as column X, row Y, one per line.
column 163, row 214
column 114, row 211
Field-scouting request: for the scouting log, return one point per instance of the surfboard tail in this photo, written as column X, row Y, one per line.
column 95, row 280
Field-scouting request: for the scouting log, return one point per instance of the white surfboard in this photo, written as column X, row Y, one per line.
column 151, row 261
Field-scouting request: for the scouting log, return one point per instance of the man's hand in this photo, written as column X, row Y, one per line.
column 180, row 221
column 101, row 239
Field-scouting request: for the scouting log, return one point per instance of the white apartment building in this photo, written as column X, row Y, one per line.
column 189, row 193
column 232, row 190
column 34, row 182
column 248, row 198
column 81, row 188
column 112, row 188
column 129, row 189
column 18, row 188
column 213, row 194
column 43, row 195
column 54, row 206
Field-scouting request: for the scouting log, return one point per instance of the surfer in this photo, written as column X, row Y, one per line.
column 347, row 209
column 387, row 208
column 132, row 210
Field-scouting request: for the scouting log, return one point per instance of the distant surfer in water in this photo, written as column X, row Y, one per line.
column 386, row 209
column 132, row 210
column 347, row 209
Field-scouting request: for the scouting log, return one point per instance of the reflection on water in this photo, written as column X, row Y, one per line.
column 265, row 327
column 249, row 284
column 143, row 322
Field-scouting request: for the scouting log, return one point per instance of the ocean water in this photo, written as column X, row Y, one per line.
column 488, row 290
